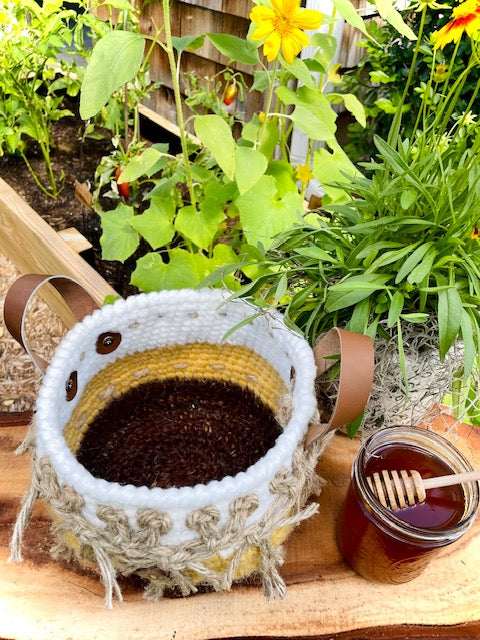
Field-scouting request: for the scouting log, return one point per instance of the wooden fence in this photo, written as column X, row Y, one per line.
column 196, row 17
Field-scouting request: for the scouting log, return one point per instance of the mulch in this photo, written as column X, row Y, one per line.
column 19, row 379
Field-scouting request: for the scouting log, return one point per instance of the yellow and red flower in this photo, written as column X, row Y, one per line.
column 465, row 18
column 282, row 26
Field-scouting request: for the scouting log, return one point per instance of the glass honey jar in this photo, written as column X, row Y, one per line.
column 395, row 546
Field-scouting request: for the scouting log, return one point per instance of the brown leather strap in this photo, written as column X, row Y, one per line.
column 356, row 376
column 22, row 291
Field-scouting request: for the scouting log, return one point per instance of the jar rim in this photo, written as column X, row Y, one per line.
column 385, row 517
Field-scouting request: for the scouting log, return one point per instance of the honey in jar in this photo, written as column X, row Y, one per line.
column 395, row 546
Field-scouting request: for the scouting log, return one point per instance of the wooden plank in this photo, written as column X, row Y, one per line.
column 34, row 247
column 163, row 122
column 75, row 240
column 239, row 8
column 325, row 599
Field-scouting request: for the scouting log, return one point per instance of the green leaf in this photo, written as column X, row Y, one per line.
column 330, row 167
column 396, row 307
column 239, row 49
column 145, row 164
column 155, row 224
column 312, row 251
column 216, row 135
column 354, row 289
column 119, row 239
column 353, row 104
column 407, row 198
column 359, row 319
column 184, row 270
column 349, row 13
column 354, row 426
column 401, row 356
column 261, row 81
column 326, row 48
column 250, row 166
column 470, row 350
column 300, row 71
column 263, row 214
column 200, row 226
column 115, row 60
column 386, row 105
column 412, row 261
column 418, row 318
column 268, row 138
column 224, row 255
column 192, row 43
column 380, row 77
column 389, row 257
column 318, row 124
column 422, row 270
column 281, row 288
column 313, row 113
column 284, row 175
column 388, row 12
column 450, row 310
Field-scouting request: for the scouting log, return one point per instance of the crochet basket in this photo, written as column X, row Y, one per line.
column 213, row 533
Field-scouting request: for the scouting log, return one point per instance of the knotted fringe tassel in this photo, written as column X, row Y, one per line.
column 109, row 577
column 28, row 501
column 22, row 521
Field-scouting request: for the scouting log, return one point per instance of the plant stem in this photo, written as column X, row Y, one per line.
column 178, row 99
column 125, row 115
column 37, row 180
column 271, row 88
column 395, row 128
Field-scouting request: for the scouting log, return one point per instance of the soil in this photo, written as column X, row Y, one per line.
column 75, row 159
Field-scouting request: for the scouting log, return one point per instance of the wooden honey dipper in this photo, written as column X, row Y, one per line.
column 400, row 489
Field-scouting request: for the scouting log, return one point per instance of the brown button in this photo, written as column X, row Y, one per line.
column 72, row 386
column 108, row 342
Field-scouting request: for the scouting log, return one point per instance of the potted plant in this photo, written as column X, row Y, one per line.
column 397, row 254
column 232, row 187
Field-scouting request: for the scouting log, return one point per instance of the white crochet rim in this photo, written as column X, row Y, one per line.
column 293, row 347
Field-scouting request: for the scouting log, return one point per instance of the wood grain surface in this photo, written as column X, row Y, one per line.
column 42, row 600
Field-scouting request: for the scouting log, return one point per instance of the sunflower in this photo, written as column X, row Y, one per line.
column 465, row 17
column 282, row 26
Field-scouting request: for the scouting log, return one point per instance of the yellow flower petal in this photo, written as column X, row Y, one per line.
column 285, row 7
column 309, row 19
column 272, row 45
column 289, row 49
column 262, row 31
column 260, row 14
column 293, row 43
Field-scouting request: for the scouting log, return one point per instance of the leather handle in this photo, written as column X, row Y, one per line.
column 356, row 376
column 21, row 293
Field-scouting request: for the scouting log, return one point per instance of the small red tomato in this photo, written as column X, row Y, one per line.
column 123, row 187
column 230, row 94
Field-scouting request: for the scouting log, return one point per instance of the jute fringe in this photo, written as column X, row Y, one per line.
column 119, row 548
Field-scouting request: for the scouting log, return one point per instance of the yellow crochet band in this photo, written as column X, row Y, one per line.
column 229, row 363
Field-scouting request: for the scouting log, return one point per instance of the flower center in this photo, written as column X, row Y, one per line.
column 283, row 25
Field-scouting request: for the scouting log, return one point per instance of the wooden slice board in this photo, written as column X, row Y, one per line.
column 40, row 599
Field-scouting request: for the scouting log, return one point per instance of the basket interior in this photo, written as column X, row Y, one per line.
column 177, row 415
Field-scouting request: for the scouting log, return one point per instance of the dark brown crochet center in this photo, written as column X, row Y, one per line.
column 177, row 433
